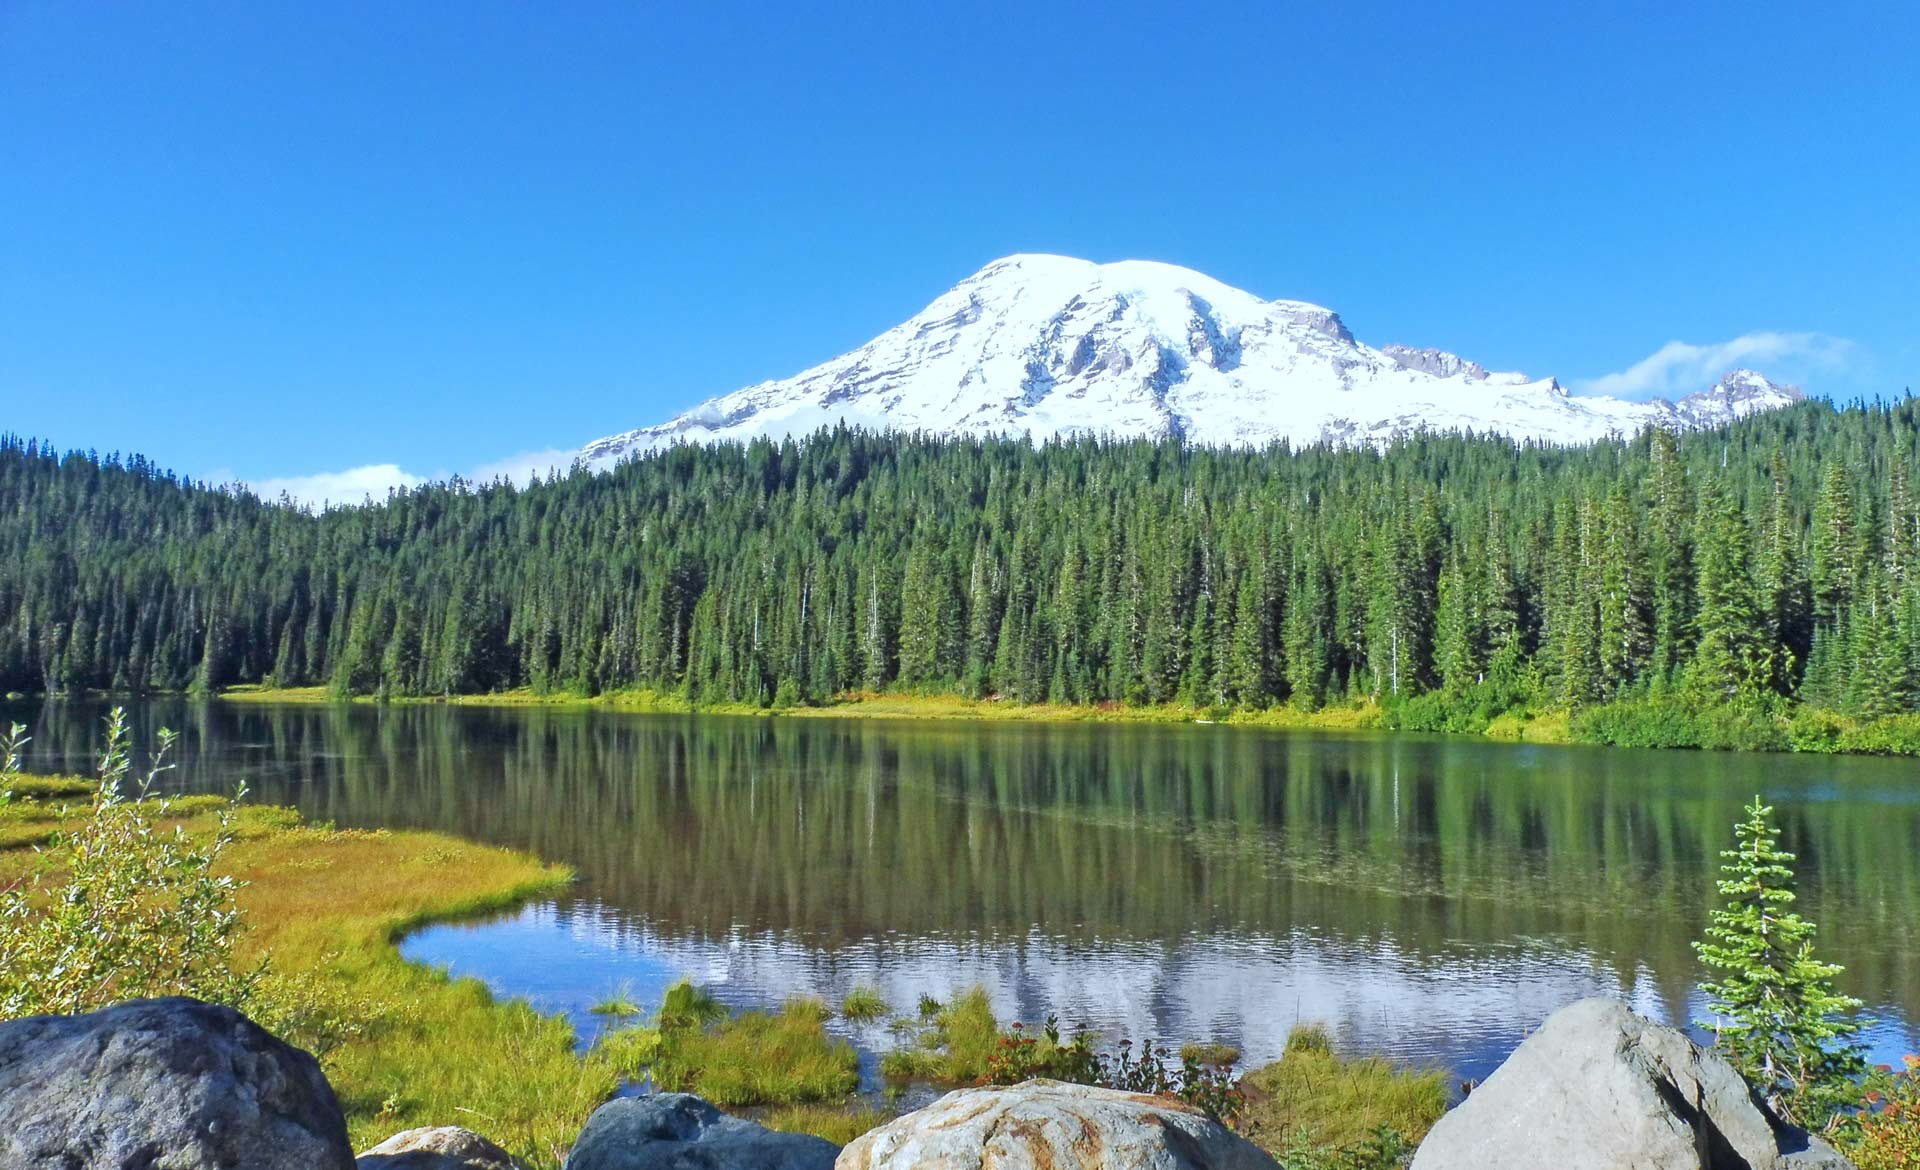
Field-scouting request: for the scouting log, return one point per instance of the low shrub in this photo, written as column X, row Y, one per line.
column 1885, row 1135
column 122, row 907
column 1891, row 735
column 1669, row 721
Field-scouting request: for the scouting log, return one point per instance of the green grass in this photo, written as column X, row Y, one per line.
column 630, row 1052
column 1217, row 1055
column 686, row 1006
column 1312, row 1098
column 402, row 1045
column 839, row 1124
column 618, row 1005
column 759, row 1058
column 29, row 787
column 405, row 1045
column 864, row 1004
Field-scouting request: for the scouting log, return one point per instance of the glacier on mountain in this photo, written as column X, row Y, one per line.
column 1054, row 347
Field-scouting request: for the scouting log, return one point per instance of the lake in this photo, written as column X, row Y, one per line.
column 1431, row 899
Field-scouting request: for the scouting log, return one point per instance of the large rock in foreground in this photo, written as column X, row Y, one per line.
column 1600, row 1088
column 1047, row 1125
column 163, row 1084
column 678, row 1131
column 436, row 1147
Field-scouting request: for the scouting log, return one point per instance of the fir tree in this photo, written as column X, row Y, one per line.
column 1776, row 1012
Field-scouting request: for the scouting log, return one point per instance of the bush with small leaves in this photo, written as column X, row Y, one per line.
column 1885, row 1134
column 122, row 907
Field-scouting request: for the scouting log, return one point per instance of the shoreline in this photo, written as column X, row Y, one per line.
column 1361, row 716
column 1666, row 722
column 1636, row 723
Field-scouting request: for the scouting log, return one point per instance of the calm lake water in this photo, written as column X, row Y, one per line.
column 1432, row 899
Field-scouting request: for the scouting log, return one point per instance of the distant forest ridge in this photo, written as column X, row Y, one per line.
column 1777, row 557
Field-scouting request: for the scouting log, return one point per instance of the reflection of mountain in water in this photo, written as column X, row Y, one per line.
column 1466, row 1012
column 1211, row 875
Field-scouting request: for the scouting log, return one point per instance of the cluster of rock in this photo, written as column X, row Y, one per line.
column 175, row 1084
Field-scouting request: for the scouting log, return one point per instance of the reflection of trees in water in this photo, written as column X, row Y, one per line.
column 841, row 830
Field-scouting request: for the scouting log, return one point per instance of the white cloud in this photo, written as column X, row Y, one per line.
column 357, row 484
column 352, row 486
column 524, row 466
column 1680, row 368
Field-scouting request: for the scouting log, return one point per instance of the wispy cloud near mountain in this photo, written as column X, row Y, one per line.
column 356, row 484
column 1680, row 368
column 351, row 486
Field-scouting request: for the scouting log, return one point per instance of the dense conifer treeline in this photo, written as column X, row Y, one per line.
column 1781, row 556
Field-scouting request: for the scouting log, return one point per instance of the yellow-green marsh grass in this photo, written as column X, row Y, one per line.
column 403, row 1045
column 759, row 1058
column 1334, row 1101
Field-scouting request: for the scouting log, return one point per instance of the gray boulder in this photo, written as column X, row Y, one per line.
column 163, row 1084
column 1600, row 1088
column 437, row 1147
column 678, row 1131
column 1047, row 1125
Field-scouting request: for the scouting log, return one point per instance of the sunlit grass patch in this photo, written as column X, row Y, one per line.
column 405, row 1045
column 629, row 1052
column 838, row 1124
column 1313, row 1096
column 618, row 1005
column 759, row 1058
column 29, row 787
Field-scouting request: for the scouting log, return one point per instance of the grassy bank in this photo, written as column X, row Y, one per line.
column 864, row 705
column 403, row 1045
column 1668, row 722
column 1313, row 1108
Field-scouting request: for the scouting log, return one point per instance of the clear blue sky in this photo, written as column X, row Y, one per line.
column 268, row 239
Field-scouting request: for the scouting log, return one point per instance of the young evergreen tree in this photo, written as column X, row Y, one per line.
column 1776, row 1011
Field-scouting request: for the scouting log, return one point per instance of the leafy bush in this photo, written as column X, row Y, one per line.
column 1891, row 735
column 121, row 908
column 1748, row 724
column 1885, row 1135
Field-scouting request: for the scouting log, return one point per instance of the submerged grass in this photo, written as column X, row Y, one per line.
column 1313, row 1098
column 864, row 1004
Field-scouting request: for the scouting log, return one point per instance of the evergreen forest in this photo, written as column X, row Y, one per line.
column 1774, row 564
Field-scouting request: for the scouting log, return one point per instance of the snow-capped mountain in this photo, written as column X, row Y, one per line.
column 1052, row 346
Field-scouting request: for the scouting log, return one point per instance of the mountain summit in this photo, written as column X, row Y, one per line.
column 1050, row 346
